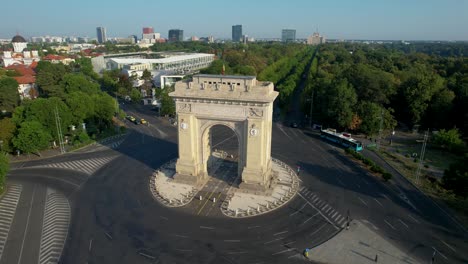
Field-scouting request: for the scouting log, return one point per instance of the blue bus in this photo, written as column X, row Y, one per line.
column 343, row 139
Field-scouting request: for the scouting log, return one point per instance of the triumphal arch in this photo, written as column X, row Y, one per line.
column 241, row 103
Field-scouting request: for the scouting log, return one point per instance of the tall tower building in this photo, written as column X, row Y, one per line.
column 288, row 35
column 101, row 34
column 237, row 33
column 148, row 30
column 176, row 35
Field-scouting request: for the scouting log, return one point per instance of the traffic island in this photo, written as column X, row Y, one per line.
column 236, row 202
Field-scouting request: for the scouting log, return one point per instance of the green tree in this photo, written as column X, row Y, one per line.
column 4, row 168
column 135, row 95
column 73, row 82
column 7, row 130
column 31, row 137
column 450, row 139
column 81, row 106
column 341, row 102
column 456, row 177
column 167, row 103
column 9, row 96
column 48, row 75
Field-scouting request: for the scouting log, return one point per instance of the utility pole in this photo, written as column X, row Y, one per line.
column 380, row 129
column 421, row 156
column 59, row 131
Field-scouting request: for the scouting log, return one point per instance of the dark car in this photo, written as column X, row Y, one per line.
column 294, row 125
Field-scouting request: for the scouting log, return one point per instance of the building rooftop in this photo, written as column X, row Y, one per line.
column 161, row 61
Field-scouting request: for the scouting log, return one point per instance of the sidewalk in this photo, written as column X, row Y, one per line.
column 359, row 245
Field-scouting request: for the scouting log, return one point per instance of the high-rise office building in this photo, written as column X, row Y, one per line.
column 176, row 35
column 288, row 35
column 148, row 30
column 101, row 34
column 237, row 33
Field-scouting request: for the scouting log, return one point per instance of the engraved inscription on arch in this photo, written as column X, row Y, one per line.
column 218, row 110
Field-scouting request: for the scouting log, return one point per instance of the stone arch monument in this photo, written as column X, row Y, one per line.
column 241, row 103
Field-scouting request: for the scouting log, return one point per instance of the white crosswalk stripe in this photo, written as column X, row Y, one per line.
column 8, row 206
column 88, row 166
column 54, row 227
column 324, row 207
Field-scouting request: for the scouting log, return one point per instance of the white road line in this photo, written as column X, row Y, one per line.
column 206, row 227
column 326, row 218
column 403, row 223
column 280, row 233
column 251, row 227
column 282, row 130
column 389, row 225
column 386, row 197
column 314, row 200
column 289, row 243
column 232, row 240
column 378, row 202
column 440, row 253
column 362, row 201
column 448, row 246
column 414, row 219
column 308, row 219
column 27, row 224
column 8, row 206
column 333, row 216
column 284, row 251
column 271, row 241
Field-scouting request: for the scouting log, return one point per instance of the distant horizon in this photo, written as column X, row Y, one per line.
column 429, row 20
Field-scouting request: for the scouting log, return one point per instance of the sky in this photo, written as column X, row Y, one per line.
column 336, row 19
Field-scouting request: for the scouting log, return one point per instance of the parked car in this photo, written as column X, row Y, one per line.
column 143, row 121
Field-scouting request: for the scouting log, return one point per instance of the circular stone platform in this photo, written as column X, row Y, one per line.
column 238, row 203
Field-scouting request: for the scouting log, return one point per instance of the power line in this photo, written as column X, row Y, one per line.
column 421, row 156
column 59, row 131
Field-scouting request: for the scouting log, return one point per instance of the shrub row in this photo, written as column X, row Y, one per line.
column 370, row 164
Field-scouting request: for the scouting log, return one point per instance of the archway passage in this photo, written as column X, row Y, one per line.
column 241, row 103
column 223, row 161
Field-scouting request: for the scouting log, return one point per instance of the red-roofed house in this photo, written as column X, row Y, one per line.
column 58, row 59
column 26, row 81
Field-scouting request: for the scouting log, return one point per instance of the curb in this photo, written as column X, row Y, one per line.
column 269, row 207
column 162, row 200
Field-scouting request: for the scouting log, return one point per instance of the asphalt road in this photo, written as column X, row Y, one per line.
column 116, row 220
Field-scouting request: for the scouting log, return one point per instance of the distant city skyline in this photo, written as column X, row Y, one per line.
column 335, row 19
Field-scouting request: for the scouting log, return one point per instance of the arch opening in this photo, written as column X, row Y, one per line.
column 222, row 153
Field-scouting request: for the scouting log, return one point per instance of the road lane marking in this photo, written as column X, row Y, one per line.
column 326, row 218
column 378, row 202
column 251, row 227
column 271, row 241
column 232, row 240
column 385, row 196
column 403, row 223
column 284, row 251
column 164, row 218
column 27, row 224
column 318, row 229
column 389, row 225
column 308, row 219
column 206, row 227
column 298, row 210
column 280, row 233
column 448, row 246
column 289, row 243
column 280, row 128
column 181, row 236
column 440, row 253
column 237, row 252
column 362, row 201
column 414, row 219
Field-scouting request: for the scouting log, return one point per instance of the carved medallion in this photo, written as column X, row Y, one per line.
column 183, row 125
column 184, row 107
